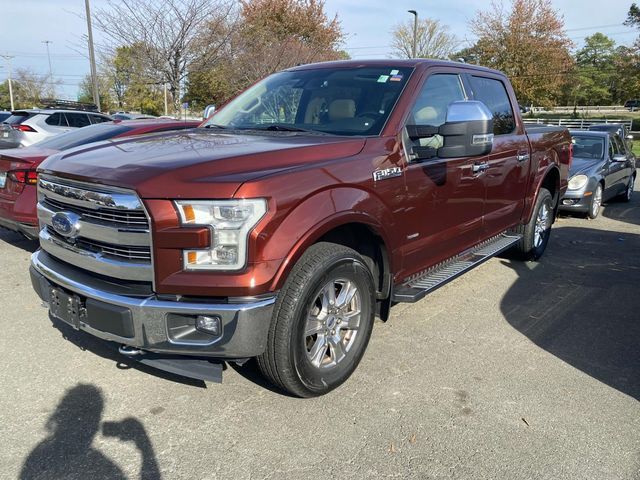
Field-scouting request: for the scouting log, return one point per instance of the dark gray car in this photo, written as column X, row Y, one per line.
column 603, row 168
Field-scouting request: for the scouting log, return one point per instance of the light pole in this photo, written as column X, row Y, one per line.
column 47, row 42
column 92, row 57
column 8, row 59
column 415, row 32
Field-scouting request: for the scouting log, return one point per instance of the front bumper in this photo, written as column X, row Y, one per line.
column 576, row 201
column 124, row 314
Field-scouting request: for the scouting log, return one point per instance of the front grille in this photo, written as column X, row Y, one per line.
column 101, row 229
column 134, row 218
column 133, row 253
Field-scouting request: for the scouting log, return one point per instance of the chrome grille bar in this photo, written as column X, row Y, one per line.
column 110, row 234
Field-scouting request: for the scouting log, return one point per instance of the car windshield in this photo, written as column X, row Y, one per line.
column 588, row 147
column 82, row 136
column 340, row 101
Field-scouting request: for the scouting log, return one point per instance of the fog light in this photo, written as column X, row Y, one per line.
column 210, row 325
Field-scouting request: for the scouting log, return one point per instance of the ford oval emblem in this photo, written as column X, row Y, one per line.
column 65, row 223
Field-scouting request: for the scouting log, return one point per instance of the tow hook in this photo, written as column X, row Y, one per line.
column 130, row 351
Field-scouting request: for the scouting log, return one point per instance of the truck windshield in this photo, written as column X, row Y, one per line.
column 340, row 101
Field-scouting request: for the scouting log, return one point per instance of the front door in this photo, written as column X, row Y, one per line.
column 444, row 203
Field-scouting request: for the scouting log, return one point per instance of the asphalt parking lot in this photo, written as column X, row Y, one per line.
column 514, row 371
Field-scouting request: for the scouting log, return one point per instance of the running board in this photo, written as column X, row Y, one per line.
column 441, row 274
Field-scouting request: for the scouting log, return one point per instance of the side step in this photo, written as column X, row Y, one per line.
column 443, row 273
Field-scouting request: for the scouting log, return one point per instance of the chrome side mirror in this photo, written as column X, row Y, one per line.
column 467, row 132
column 619, row 158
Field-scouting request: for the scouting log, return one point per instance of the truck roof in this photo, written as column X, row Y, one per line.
column 391, row 62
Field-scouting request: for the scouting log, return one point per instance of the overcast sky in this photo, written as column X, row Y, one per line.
column 24, row 24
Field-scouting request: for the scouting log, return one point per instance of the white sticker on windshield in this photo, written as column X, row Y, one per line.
column 395, row 72
column 383, row 78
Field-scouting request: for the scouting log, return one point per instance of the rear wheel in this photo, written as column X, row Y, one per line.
column 628, row 193
column 322, row 322
column 596, row 202
column 535, row 234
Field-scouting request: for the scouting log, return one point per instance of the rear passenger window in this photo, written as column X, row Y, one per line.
column 56, row 119
column 98, row 118
column 77, row 120
column 494, row 95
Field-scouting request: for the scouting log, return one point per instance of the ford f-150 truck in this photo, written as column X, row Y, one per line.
column 306, row 206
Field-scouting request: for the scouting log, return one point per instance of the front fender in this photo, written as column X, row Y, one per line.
column 317, row 215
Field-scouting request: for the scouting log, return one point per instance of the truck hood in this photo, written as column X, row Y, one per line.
column 174, row 165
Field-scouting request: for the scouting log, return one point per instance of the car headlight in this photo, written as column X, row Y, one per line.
column 231, row 221
column 577, row 182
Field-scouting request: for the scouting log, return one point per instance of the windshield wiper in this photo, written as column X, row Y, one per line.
column 213, row 125
column 278, row 127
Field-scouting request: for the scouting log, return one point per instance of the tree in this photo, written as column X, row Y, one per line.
column 270, row 35
column 633, row 17
column 432, row 40
column 168, row 34
column 277, row 34
column 28, row 89
column 529, row 44
column 594, row 71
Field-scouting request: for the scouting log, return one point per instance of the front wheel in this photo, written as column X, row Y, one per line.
column 535, row 234
column 596, row 202
column 322, row 322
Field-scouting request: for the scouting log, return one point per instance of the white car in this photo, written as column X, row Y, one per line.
column 26, row 127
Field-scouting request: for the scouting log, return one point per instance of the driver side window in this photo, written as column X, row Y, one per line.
column 437, row 93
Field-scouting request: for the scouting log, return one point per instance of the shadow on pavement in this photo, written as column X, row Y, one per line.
column 624, row 212
column 99, row 347
column 581, row 303
column 19, row 240
column 67, row 451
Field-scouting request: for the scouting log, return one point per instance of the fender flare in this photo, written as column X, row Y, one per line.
column 540, row 179
column 342, row 206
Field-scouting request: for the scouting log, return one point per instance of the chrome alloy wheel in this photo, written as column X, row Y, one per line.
column 597, row 201
column 630, row 188
column 333, row 322
column 542, row 224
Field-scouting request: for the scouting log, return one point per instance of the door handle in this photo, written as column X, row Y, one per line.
column 523, row 157
column 479, row 167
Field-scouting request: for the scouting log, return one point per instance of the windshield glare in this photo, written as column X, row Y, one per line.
column 588, row 147
column 341, row 101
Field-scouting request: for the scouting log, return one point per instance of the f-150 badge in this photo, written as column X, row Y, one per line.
column 386, row 173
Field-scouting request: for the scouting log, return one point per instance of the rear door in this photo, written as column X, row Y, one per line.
column 56, row 123
column 509, row 162
column 445, row 197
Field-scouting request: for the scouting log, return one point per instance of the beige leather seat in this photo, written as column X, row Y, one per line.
column 341, row 109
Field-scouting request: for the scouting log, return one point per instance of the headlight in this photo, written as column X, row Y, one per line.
column 577, row 182
column 231, row 221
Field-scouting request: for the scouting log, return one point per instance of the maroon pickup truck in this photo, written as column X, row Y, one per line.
column 308, row 205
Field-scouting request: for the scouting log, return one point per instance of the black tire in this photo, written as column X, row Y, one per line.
column 286, row 362
column 527, row 247
column 628, row 193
